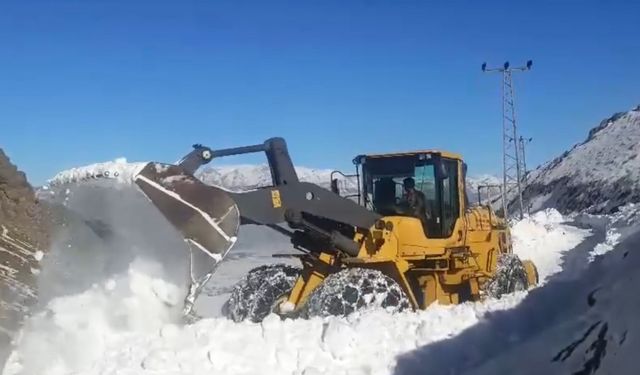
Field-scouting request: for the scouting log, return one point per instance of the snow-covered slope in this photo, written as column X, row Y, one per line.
column 599, row 174
column 489, row 191
column 583, row 322
column 128, row 324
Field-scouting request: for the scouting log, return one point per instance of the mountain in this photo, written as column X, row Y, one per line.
column 249, row 177
column 473, row 182
column 235, row 178
column 597, row 175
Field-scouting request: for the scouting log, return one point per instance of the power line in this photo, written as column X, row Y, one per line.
column 512, row 151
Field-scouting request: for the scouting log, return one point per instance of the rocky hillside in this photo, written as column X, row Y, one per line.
column 597, row 175
column 23, row 238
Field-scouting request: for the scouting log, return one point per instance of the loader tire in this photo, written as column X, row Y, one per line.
column 254, row 296
column 510, row 277
column 355, row 289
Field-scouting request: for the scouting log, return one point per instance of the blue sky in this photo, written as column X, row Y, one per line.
column 88, row 81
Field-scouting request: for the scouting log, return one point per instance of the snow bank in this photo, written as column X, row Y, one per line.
column 538, row 237
column 97, row 333
column 611, row 240
column 128, row 324
column 627, row 217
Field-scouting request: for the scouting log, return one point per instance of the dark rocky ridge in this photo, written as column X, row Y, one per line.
column 24, row 237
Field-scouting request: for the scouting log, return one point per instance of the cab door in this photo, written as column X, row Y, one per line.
column 450, row 198
column 445, row 226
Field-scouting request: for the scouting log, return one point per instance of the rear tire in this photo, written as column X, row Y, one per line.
column 254, row 297
column 355, row 289
column 510, row 277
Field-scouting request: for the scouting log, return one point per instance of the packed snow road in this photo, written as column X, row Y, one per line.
column 585, row 321
column 129, row 322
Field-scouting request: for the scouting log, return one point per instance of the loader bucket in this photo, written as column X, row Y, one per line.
column 207, row 217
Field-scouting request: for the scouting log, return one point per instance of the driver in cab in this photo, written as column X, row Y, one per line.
column 414, row 199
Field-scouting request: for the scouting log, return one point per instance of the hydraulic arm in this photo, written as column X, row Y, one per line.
column 208, row 217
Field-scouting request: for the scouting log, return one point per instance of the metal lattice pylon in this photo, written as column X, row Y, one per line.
column 512, row 154
column 523, row 162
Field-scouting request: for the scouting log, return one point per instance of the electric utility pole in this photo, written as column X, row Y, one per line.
column 523, row 162
column 511, row 165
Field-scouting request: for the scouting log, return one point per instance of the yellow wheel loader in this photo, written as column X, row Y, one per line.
column 373, row 250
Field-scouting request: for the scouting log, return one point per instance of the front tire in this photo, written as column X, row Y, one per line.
column 355, row 289
column 254, row 297
column 510, row 277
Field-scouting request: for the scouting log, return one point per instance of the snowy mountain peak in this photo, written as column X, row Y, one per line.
column 599, row 174
column 610, row 121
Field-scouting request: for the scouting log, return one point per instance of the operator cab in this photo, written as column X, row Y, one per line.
column 435, row 177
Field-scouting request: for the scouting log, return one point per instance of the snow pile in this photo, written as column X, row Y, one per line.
column 536, row 235
column 118, row 169
column 363, row 344
column 74, row 331
column 611, row 240
column 128, row 324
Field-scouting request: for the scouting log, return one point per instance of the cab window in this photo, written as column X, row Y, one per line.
column 383, row 182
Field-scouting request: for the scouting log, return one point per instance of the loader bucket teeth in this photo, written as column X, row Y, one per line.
column 206, row 216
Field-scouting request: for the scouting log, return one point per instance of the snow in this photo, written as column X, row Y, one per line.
column 609, row 155
column 38, row 255
column 544, row 230
column 584, row 321
column 118, row 169
column 74, row 330
column 611, row 240
column 627, row 216
column 129, row 324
